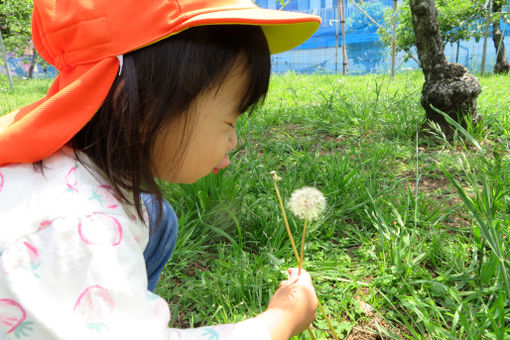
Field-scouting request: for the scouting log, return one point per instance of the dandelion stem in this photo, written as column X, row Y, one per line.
column 302, row 253
column 285, row 220
column 327, row 320
column 275, row 179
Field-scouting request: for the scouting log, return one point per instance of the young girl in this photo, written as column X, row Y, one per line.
column 147, row 89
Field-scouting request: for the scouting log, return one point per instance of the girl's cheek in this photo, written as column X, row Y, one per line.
column 232, row 142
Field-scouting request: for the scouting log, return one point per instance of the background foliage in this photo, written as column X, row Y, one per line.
column 458, row 20
column 15, row 23
column 15, row 26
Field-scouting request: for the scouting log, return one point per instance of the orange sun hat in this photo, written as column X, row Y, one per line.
column 83, row 39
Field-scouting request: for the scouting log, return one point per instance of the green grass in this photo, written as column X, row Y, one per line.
column 415, row 240
column 24, row 93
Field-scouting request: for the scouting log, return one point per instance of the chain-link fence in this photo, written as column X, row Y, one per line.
column 19, row 67
column 322, row 53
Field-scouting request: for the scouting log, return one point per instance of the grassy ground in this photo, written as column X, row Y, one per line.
column 24, row 92
column 415, row 240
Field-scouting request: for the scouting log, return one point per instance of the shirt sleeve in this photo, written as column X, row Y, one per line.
column 84, row 278
column 251, row 329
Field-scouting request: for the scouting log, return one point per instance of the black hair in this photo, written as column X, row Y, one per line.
column 156, row 87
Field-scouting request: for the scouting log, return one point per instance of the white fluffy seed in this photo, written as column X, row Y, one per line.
column 307, row 203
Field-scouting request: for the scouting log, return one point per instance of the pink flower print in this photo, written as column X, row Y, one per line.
column 71, row 181
column 138, row 237
column 11, row 315
column 104, row 195
column 12, row 318
column 145, row 215
column 24, row 256
column 1, row 182
column 100, row 229
column 93, row 306
column 44, row 224
column 134, row 217
column 33, row 256
column 161, row 308
column 4, row 269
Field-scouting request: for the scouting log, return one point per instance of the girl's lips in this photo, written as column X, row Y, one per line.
column 221, row 165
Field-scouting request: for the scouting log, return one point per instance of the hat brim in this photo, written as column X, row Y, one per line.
column 283, row 30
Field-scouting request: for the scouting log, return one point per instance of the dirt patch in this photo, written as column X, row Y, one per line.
column 322, row 143
column 440, row 188
column 431, row 184
column 371, row 330
column 372, row 327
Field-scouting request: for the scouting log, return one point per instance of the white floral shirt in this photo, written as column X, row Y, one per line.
column 72, row 265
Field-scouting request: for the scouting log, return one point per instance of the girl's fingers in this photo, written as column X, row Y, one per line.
column 293, row 273
column 293, row 277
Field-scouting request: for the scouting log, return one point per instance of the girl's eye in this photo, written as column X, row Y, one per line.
column 232, row 125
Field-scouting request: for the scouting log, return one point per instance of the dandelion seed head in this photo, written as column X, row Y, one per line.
column 307, row 203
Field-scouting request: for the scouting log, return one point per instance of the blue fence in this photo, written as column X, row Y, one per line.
column 365, row 52
column 19, row 68
column 322, row 53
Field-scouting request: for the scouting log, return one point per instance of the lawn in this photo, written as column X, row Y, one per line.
column 414, row 243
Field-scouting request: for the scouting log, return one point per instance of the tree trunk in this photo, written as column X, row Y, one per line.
column 448, row 86
column 6, row 61
column 30, row 73
column 501, row 66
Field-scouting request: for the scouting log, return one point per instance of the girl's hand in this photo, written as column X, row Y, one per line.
column 292, row 308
